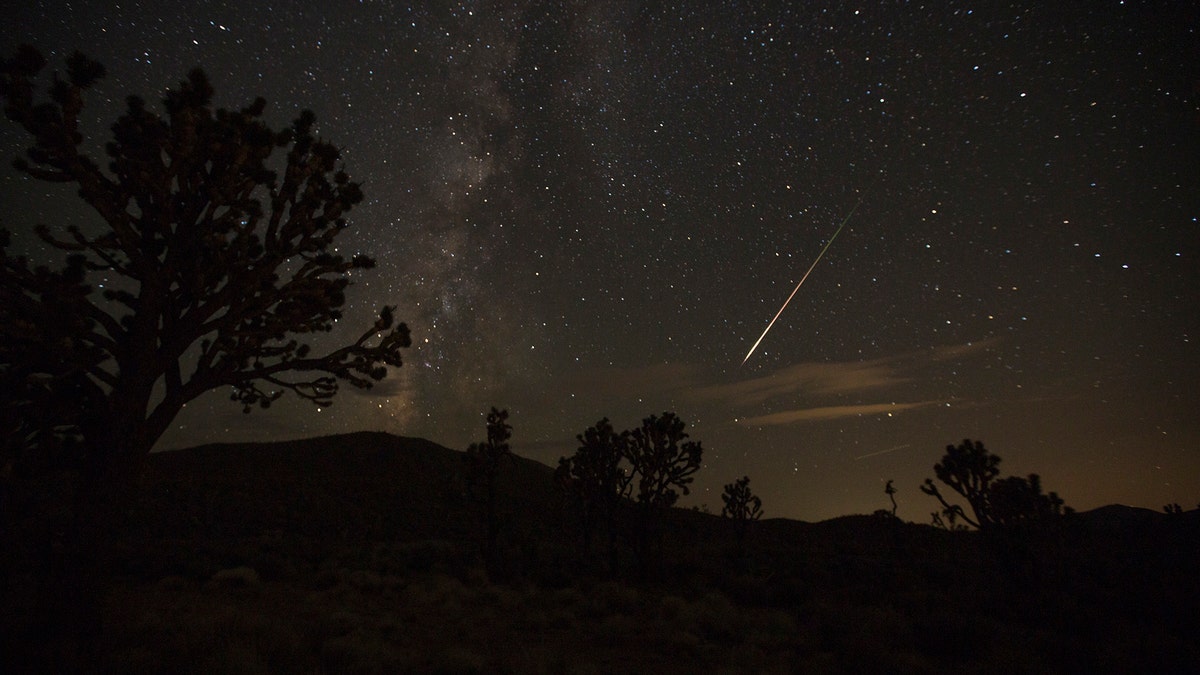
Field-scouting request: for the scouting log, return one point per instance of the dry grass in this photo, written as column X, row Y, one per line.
column 363, row 622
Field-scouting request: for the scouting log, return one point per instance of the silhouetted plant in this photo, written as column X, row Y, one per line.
column 971, row 471
column 209, row 259
column 1015, row 500
column 662, row 463
column 662, row 460
column 742, row 507
column 649, row 466
column 208, row 264
column 595, row 484
column 890, row 491
column 483, row 462
column 1173, row 509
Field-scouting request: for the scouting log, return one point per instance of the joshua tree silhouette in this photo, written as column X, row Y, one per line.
column 971, row 471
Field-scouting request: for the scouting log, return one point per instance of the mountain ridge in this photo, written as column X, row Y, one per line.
column 377, row 451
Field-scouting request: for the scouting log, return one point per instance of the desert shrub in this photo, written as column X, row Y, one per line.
column 359, row 652
column 953, row 636
column 611, row 597
column 236, row 577
column 683, row 639
column 445, row 593
column 713, row 618
column 869, row 638
column 208, row 638
column 337, row 623
column 670, row 607
column 366, row 581
column 569, row 597
column 456, row 660
column 775, row 627
column 619, row 628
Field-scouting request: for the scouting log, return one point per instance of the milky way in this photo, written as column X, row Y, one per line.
column 586, row 209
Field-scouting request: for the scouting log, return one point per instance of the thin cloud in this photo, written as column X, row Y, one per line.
column 951, row 352
column 831, row 413
column 681, row 381
column 838, row 378
column 809, row 378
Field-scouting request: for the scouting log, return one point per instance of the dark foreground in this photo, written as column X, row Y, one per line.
column 357, row 554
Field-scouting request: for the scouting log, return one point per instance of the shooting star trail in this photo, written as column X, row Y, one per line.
column 882, row 452
column 810, row 269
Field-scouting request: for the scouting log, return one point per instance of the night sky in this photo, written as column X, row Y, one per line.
column 594, row 209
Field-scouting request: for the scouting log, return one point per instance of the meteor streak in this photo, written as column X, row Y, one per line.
column 883, row 452
column 810, row 269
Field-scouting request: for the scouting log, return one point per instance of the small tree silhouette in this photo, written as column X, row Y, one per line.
column 595, row 484
column 890, row 491
column 662, row 462
column 482, row 464
column 662, row 459
column 1015, row 500
column 742, row 507
column 971, row 471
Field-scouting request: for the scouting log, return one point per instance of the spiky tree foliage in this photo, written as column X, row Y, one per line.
column 741, row 506
column 740, row 503
column 662, row 462
column 971, row 471
column 595, row 484
column 1015, row 500
column 637, row 473
column 483, row 463
column 218, row 269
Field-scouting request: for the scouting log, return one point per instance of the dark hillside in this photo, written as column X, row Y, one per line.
column 356, row 486
column 377, row 529
column 211, row 505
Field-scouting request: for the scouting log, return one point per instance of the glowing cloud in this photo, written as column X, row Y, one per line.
column 831, row 413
